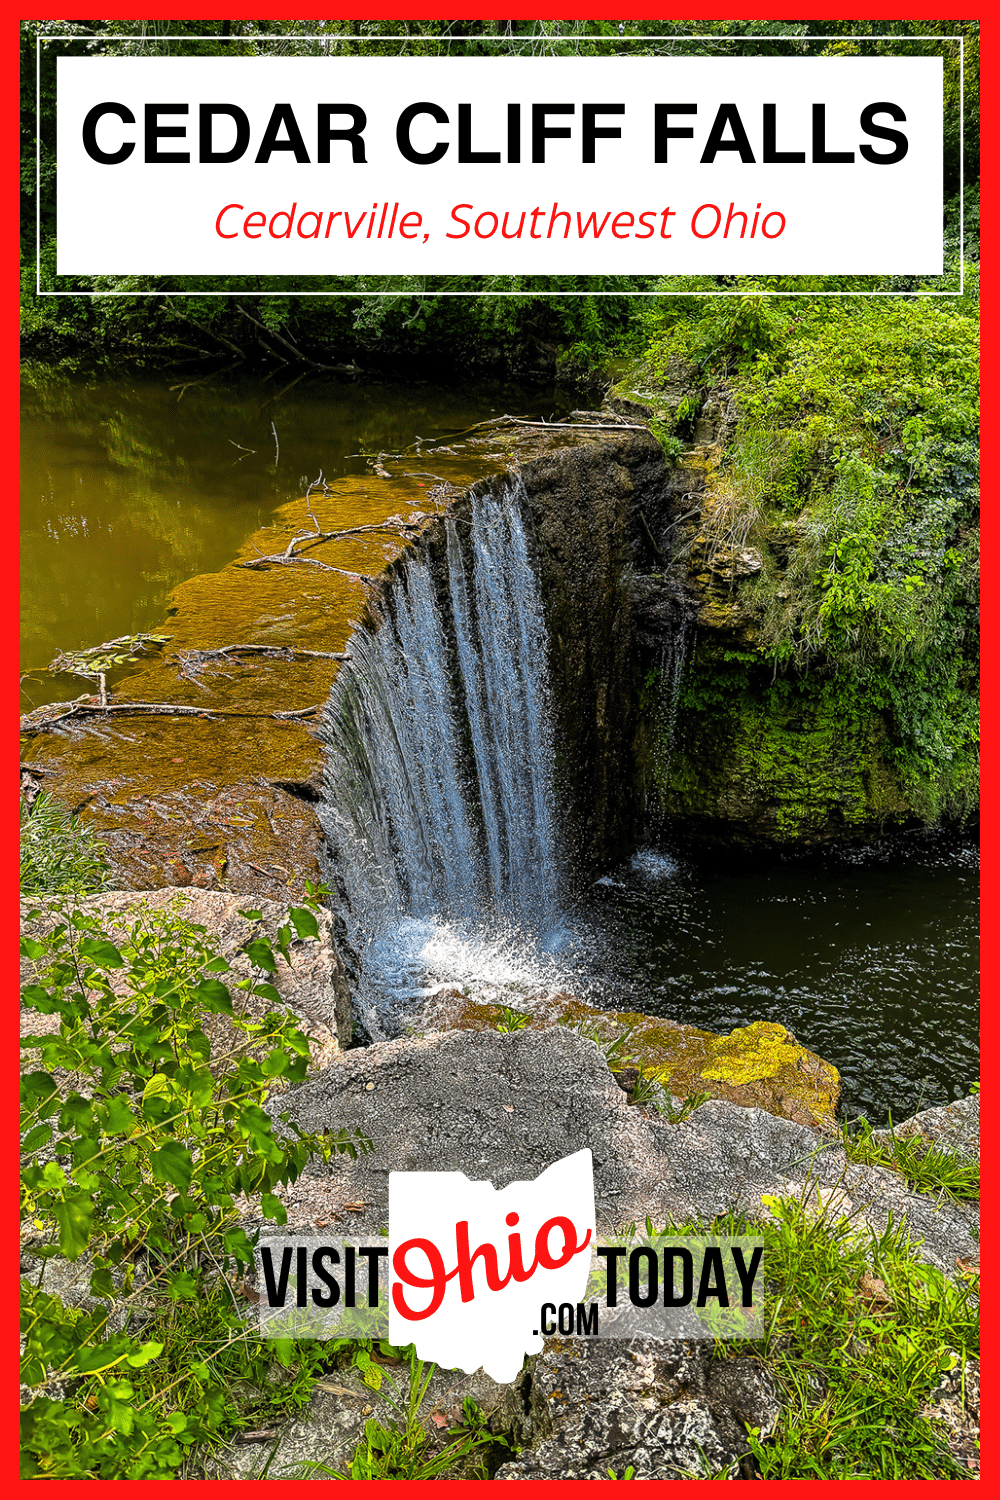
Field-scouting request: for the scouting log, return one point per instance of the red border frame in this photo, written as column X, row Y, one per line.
column 9, row 623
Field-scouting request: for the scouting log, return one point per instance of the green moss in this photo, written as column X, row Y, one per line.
column 758, row 1066
column 809, row 757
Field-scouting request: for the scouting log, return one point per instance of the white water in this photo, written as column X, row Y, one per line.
column 673, row 658
column 439, row 802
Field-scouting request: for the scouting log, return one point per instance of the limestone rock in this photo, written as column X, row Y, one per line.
column 328, row 1430
column 663, row 1409
column 505, row 1106
column 955, row 1127
column 954, row 1410
column 760, row 1065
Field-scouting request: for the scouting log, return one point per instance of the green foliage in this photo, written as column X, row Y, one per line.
column 140, row 1141
column 927, row 1167
column 60, row 854
column 853, row 470
column 97, row 661
column 615, row 1048
column 512, row 322
column 880, row 745
column 687, row 1108
column 137, row 1407
column 861, row 1333
column 512, row 1020
column 853, row 467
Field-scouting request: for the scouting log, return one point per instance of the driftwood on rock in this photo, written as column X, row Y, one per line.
column 192, row 661
column 406, row 529
column 41, row 725
column 282, row 559
column 314, row 538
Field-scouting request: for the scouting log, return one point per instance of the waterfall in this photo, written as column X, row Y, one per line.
column 673, row 657
column 438, row 802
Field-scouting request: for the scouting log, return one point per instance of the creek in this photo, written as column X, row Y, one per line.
column 444, row 791
column 131, row 485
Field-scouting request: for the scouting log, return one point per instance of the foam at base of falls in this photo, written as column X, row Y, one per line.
column 422, row 956
column 654, row 864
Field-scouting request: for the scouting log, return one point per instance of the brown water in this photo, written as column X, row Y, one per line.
column 130, row 485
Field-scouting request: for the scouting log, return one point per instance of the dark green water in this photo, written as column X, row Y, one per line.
column 129, row 486
column 869, row 956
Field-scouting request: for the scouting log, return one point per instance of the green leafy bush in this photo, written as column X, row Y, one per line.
column 851, row 466
column 142, row 1141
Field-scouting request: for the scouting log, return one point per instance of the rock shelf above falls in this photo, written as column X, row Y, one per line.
column 213, row 800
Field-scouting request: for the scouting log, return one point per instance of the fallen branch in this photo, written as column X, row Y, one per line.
column 170, row 710
column 268, row 874
column 192, row 662
column 272, row 333
column 316, row 537
column 560, row 426
column 211, row 332
column 286, row 653
column 281, row 559
column 610, row 424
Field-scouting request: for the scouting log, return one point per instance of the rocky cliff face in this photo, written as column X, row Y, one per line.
column 824, row 696
column 667, row 714
column 591, row 507
column 670, row 714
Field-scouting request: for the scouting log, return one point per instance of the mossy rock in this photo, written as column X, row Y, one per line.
column 757, row 1066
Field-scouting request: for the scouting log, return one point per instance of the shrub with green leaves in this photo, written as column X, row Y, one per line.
column 142, row 1146
column 60, row 854
column 854, row 464
column 851, row 466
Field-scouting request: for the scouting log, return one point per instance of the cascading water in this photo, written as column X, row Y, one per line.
column 673, row 659
column 439, row 804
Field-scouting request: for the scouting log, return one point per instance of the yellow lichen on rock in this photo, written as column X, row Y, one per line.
column 752, row 1052
column 758, row 1066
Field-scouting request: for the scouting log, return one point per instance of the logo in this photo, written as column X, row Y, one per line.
column 472, row 1266
column 478, row 1277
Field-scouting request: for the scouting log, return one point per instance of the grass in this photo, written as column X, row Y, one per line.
column 860, row 1333
column 59, row 853
column 686, row 1108
column 402, row 1448
column 512, row 1020
column 927, row 1167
